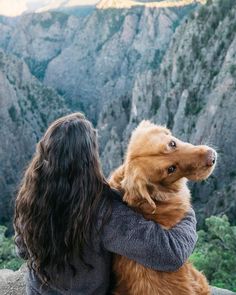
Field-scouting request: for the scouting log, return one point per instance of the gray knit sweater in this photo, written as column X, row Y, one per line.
column 126, row 233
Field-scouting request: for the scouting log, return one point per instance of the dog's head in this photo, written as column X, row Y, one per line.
column 157, row 159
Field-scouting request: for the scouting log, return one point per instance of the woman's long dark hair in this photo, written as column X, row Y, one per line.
column 60, row 194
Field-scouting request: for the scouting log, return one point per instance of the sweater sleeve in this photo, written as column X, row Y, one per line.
column 127, row 233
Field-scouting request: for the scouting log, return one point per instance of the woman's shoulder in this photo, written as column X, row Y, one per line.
column 112, row 194
column 110, row 200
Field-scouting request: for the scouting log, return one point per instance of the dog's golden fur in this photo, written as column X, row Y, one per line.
column 163, row 197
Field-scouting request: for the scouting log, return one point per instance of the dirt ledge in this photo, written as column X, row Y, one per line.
column 12, row 283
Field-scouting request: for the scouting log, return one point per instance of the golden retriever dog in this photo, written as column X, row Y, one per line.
column 153, row 179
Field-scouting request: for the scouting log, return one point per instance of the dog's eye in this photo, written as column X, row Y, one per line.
column 171, row 169
column 172, row 144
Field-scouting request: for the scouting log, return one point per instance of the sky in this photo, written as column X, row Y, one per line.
column 81, row 2
column 16, row 7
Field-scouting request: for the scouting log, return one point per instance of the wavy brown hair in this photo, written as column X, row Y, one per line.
column 60, row 195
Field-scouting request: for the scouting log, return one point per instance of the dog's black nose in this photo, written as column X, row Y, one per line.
column 210, row 158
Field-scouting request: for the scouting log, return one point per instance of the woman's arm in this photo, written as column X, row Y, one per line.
column 127, row 233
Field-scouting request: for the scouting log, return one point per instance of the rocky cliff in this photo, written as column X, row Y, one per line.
column 105, row 57
column 121, row 4
column 38, row 38
column 194, row 93
column 26, row 108
column 173, row 65
column 93, row 59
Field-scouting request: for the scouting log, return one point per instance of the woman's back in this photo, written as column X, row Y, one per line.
column 125, row 233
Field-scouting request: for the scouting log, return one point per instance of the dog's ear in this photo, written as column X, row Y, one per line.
column 136, row 188
column 116, row 178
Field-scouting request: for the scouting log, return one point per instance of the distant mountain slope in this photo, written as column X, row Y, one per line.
column 122, row 65
column 106, row 55
column 106, row 49
column 122, row 4
column 26, row 108
column 194, row 93
column 91, row 61
column 38, row 38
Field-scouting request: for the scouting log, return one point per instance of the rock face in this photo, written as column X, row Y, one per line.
column 38, row 38
column 101, row 64
column 199, row 101
column 120, row 66
column 193, row 92
column 12, row 283
column 26, row 108
column 68, row 53
column 218, row 291
column 120, row 4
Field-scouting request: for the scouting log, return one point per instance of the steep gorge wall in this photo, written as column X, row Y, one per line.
column 70, row 54
column 194, row 93
column 122, row 66
column 38, row 38
column 26, row 108
column 104, row 58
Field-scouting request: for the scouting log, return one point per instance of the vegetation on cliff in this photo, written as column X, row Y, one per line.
column 215, row 253
column 8, row 257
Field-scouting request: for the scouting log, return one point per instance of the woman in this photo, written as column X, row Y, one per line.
column 68, row 220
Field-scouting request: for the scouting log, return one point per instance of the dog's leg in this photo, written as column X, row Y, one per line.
column 201, row 285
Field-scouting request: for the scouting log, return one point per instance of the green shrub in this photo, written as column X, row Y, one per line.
column 180, row 63
column 156, row 103
column 59, row 17
column 225, row 6
column 215, row 253
column 194, row 104
column 203, row 13
column 13, row 113
column 232, row 70
column 209, row 2
column 192, row 16
column 196, row 48
column 37, row 68
column 232, row 174
column 8, row 257
column 156, row 59
column 220, row 49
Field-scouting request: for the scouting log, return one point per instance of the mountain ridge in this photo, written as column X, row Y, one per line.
column 27, row 107
column 193, row 93
column 174, row 66
column 124, row 4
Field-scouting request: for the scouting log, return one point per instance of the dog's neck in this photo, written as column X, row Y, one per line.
column 163, row 192
column 172, row 204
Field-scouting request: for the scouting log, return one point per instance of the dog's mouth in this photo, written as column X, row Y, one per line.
column 204, row 171
column 201, row 174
